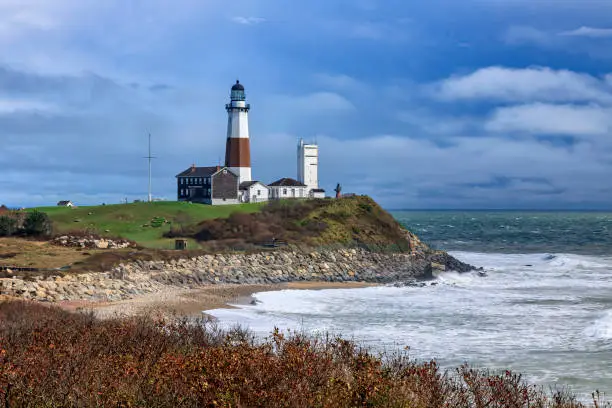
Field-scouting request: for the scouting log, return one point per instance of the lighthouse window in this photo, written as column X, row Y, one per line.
column 284, row 191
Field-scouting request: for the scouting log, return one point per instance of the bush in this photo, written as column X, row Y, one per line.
column 37, row 223
column 8, row 225
column 52, row 358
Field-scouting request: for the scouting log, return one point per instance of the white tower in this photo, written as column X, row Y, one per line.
column 238, row 149
column 308, row 164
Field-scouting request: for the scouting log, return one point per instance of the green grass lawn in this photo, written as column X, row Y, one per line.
column 144, row 223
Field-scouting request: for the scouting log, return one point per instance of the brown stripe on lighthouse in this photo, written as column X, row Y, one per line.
column 238, row 152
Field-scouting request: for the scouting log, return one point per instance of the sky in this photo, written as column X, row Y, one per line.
column 438, row 104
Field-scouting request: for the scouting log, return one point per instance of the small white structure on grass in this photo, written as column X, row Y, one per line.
column 65, row 203
column 287, row 188
column 253, row 192
column 317, row 193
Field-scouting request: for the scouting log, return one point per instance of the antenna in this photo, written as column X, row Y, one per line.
column 149, row 157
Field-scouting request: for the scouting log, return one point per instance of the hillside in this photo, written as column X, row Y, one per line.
column 352, row 221
column 144, row 223
column 307, row 225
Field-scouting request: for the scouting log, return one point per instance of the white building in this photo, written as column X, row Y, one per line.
column 287, row 188
column 308, row 168
column 317, row 193
column 253, row 192
column 308, row 163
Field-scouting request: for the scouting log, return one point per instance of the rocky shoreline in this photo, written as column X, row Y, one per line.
column 127, row 281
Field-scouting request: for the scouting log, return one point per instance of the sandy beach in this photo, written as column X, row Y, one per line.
column 193, row 302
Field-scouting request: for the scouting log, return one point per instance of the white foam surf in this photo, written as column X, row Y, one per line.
column 546, row 315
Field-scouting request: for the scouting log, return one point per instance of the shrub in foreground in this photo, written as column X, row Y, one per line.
column 52, row 358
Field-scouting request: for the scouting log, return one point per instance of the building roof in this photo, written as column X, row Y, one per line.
column 238, row 86
column 194, row 171
column 286, row 182
column 246, row 184
column 64, row 202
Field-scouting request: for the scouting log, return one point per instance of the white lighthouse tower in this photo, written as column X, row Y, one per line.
column 308, row 165
column 238, row 149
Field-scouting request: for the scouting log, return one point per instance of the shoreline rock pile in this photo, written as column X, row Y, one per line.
column 141, row 277
column 91, row 242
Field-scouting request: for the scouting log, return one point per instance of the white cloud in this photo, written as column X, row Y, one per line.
column 590, row 32
column 318, row 102
column 436, row 123
column 338, row 81
column 522, row 34
column 8, row 105
column 523, row 85
column 545, row 119
column 248, row 20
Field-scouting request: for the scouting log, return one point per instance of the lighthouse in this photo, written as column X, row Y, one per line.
column 238, row 149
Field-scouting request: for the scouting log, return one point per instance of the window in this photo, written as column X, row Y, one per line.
column 284, row 191
column 258, row 192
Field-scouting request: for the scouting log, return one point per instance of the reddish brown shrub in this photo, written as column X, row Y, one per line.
column 53, row 358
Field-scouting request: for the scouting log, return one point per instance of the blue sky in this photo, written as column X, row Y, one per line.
column 436, row 104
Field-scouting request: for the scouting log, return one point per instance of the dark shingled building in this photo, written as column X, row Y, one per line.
column 207, row 185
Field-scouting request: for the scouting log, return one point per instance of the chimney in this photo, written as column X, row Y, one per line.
column 218, row 167
column 193, row 168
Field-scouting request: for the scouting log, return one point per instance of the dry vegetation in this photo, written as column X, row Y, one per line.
column 348, row 221
column 38, row 254
column 53, row 358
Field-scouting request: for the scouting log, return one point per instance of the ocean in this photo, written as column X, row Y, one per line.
column 544, row 309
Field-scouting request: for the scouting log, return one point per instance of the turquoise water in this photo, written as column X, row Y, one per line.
column 585, row 233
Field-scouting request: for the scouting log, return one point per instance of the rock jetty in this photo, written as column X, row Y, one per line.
column 141, row 277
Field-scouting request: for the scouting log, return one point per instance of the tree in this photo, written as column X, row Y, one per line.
column 37, row 223
column 8, row 225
